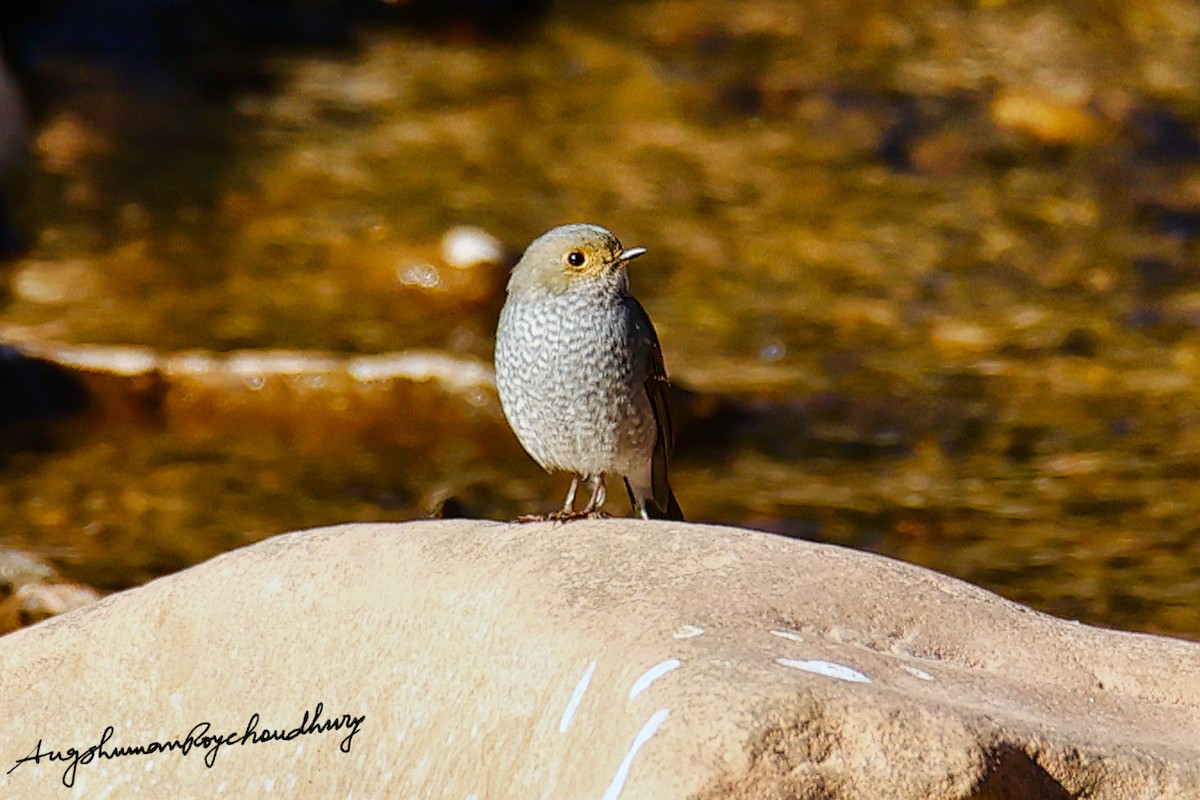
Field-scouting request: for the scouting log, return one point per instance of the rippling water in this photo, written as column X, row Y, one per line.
column 924, row 275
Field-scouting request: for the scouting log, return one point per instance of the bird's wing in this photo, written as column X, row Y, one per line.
column 657, row 386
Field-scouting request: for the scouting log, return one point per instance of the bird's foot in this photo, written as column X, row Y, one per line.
column 572, row 516
column 563, row 516
column 521, row 520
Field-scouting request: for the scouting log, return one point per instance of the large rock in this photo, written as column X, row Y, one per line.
column 592, row 660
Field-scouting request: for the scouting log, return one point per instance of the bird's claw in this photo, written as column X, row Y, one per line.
column 521, row 520
column 563, row 516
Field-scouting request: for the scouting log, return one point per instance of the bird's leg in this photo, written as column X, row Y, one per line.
column 567, row 512
column 596, row 503
column 568, row 507
column 599, row 493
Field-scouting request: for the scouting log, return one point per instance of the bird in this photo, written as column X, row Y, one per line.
column 580, row 374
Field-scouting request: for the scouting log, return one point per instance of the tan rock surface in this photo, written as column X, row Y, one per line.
column 595, row 660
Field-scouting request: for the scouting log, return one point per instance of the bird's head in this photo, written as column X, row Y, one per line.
column 573, row 256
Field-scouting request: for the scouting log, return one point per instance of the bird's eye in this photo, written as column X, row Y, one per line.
column 576, row 258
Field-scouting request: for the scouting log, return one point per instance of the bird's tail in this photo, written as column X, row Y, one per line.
column 649, row 509
column 673, row 510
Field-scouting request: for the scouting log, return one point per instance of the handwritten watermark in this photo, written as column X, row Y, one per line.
column 198, row 738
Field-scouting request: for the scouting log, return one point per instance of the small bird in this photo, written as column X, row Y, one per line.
column 580, row 371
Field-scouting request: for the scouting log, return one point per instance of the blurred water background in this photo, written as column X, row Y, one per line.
column 925, row 272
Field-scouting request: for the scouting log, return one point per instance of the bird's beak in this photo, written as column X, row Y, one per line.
column 630, row 254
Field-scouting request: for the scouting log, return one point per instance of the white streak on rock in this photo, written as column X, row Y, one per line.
column 795, row 637
column 826, row 668
column 576, row 698
column 648, row 730
column 917, row 673
column 651, row 675
column 688, row 631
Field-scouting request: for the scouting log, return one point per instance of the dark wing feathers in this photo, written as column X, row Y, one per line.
column 657, row 386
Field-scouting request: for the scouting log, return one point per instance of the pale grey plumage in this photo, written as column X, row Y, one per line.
column 579, row 369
